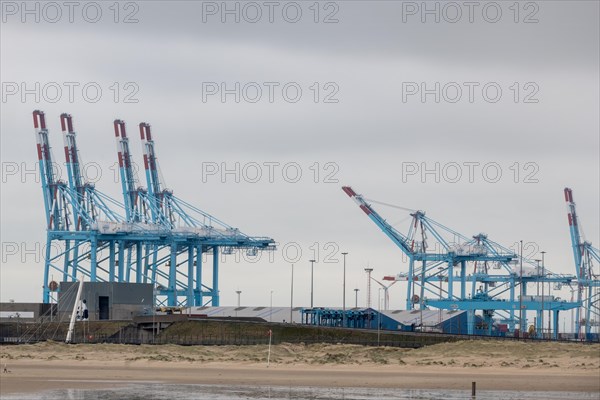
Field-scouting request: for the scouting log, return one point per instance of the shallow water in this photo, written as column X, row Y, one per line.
column 151, row 391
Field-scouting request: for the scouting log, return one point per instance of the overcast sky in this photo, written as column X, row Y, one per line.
column 366, row 64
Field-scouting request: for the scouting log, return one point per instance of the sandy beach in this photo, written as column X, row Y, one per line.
column 493, row 365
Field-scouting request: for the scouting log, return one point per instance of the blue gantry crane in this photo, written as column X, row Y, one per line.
column 72, row 209
column 152, row 237
column 587, row 260
column 447, row 270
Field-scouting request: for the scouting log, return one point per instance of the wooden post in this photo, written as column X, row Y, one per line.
column 473, row 389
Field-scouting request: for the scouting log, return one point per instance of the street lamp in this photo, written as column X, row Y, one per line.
column 312, row 270
column 537, row 292
column 292, row 295
column 543, row 284
column 538, row 273
column 344, row 291
column 356, row 297
column 521, row 293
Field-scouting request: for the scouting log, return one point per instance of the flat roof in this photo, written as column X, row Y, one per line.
column 269, row 314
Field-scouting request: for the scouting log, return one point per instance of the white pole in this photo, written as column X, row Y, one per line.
column 312, row 280
column 521, row 294
column 74, row 313
column 269, row 354
column 292, row 296
column 344, row 292
column 543, row 286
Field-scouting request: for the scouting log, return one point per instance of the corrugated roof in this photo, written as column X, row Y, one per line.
column 281, row 314
column 418, row 317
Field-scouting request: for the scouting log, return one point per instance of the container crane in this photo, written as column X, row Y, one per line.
column 91, row 205
column 73, row 210
column 188, row 222
column 97, row 236
column 56, row 195
column 485, row 272
column 135, row 197
column 588, row 276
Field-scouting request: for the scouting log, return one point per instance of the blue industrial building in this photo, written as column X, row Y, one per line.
column 441, row 321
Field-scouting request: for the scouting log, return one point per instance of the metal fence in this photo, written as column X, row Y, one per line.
column 211, row 340
column 242, row 336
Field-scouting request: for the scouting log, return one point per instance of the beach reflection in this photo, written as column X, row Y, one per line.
column 151, row 391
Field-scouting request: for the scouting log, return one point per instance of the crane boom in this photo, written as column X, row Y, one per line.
column 73, row 166
column 574, row 231
column 150, row 163
column 162, row 210
column 399, row 239
column 135, row 209
column 55, row 198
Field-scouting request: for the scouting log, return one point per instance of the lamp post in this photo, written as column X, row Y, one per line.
column 356, row 297
column 521, row 292
column 538, row 271
column 537, row 293
column 344, row 291
column 543, row 284
column 312, row 270
column 292, row 295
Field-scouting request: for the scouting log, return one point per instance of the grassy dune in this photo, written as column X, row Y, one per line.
column 454, row 355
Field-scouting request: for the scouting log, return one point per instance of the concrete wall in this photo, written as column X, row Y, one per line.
column 125, row 300
column 25, row 312
column 268, row 314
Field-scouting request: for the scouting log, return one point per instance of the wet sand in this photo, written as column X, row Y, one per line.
column 31, row 376
column 493, row 365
